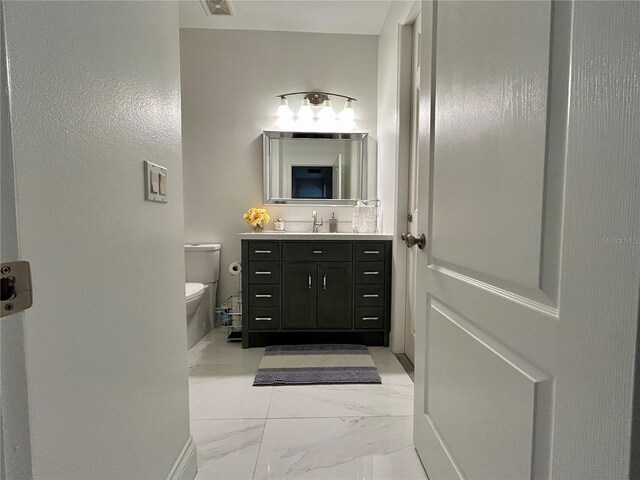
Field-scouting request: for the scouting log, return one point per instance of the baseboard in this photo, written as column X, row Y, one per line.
column 186, row 465
column 406, row 363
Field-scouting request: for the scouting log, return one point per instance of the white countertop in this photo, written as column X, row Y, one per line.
column 273, row 235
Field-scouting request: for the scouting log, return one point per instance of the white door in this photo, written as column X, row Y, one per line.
column 528, row 285
column 413, row 188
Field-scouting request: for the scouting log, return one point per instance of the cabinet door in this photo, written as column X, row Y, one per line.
column 335, row 295
column 299, row 295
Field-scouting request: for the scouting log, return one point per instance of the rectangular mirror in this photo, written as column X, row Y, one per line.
column 314, row 168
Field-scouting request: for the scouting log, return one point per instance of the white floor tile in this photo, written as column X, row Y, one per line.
column 317, row 432
column 224, row 392
column 227, row 449
column 341, row 400
column 366, row 448
column 214, row 349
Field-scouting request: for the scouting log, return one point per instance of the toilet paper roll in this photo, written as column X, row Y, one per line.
column 235, row 268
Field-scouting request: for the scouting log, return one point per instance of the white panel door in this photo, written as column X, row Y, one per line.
column 499, row 285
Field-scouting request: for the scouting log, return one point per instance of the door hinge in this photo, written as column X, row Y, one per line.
column 15, row 287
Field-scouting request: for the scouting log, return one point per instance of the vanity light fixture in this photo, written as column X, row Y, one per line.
column 316, row 99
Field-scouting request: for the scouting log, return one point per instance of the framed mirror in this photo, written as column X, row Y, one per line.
column 303, row 168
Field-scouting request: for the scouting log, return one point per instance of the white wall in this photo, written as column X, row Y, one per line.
column 230, row 80
column 94, row 92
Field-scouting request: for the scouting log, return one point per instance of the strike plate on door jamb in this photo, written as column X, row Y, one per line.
column 15, row 287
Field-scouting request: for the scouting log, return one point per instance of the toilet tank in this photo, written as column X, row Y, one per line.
column 202, row 262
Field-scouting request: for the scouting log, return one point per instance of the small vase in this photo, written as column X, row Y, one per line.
column 257, row 228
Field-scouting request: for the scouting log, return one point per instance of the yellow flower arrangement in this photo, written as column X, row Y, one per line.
column 256, row 217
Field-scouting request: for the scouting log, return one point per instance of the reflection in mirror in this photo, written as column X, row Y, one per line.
column 314, row 168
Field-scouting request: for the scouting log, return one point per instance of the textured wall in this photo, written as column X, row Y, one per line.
column 229, row 83
column 94, row 92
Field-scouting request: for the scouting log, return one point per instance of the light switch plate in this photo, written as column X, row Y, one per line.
column 155, row 182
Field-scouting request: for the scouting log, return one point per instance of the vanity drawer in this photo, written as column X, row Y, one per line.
column 370, row 252
column 369, row 317
column 264, row 251
column 317, row 252
column 264, row 318
column 263, row 272
column 370, row 272
column 369, row 295
column 264, row 295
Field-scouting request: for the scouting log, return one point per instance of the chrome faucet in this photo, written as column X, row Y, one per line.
column 316, row 225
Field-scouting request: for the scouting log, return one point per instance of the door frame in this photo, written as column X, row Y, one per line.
column 15, row 432
column 402, row 154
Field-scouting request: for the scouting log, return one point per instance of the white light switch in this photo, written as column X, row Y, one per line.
column 154, row 187
column 163, row 184
column 155, row 182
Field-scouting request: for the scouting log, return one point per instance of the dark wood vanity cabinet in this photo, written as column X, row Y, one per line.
column 299, row 282
column 316, row 291
column 318, row 295
column 335, row 287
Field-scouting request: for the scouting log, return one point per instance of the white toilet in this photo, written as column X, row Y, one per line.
column 202, row 270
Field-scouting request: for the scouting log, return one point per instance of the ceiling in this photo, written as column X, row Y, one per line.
column 363, row 17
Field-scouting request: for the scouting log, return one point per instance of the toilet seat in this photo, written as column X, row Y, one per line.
column 193, row 290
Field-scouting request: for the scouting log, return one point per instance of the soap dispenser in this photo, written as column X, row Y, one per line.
column 333, row 223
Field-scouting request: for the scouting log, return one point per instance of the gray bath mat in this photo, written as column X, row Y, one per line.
column 315, row 365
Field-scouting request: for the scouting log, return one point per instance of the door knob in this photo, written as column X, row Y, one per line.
column 410, row 240
column 403, row 237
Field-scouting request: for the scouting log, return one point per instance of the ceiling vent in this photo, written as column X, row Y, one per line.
column 216, row 7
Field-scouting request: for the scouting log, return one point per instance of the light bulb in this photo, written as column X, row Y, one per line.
column 305, row 113
column 284, row 112
column 347, row 114
column 326, row 113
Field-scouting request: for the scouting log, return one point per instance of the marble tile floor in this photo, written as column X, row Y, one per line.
column 323, row 432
